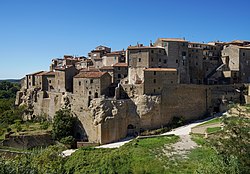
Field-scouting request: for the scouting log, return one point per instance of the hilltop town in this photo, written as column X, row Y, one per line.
column 118, row 93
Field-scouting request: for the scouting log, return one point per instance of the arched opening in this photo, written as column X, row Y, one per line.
column 131, row 130
column 96, row 95
column 78, row 136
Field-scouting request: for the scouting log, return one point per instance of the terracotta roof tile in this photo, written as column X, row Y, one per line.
column 173, row 39
column 35, row 73
column 120, row 65
column 90, row 74
column 107, row 68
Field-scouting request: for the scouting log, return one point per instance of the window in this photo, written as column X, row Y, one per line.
column 91, row 80
column 154, row 80
column 171, row 81
column 159, row 60
column 164, row 61
column 152, row 59
column 176, row 61
column 154, row 72
column 139, row 59
column 244, row 54
column 89, row 92
column 159, row 51
column 189, row 55
column 154, row 90
column 119, row 76
column 152, row 51
column 184, row 53
column 79, row 83
column 119, row 68
column 196, row 63
column 49, row 81
column 183, row 44
column 196, row 51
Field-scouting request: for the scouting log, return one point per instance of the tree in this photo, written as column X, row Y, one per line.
column 62, row 125
column 234, row 141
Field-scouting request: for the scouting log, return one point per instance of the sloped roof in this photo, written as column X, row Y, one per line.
column 107, row 68
column 173, row 39
column 35, row 73
column 120, row 65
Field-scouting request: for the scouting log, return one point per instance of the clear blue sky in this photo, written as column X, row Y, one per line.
column 32, row 32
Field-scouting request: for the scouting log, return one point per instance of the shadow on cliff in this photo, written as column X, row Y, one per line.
column 79, row 131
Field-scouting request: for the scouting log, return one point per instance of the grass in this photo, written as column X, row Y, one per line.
column 213, row 129
column 137, row 156
column 27, row 128
column 212, row 121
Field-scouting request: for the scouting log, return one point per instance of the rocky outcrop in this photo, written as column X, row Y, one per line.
column 28, row 141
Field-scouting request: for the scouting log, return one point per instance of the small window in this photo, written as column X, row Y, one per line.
column 152, row 59
column 196, row 51
column 154, row 90
column 154, row 72
column 119, row 76
column 91, row 80
column 89, row 92
column 139, row 59
column 49, row 81
column 79, row 83
column 196, row 63
column 152, row 51
column 154, row 80
column 244, row 54
column 184, row 53
column 86, row 81
column 159, row 60
column 176, row 61
column 172, row 82
column 164, row 61
column 119, row 68
column 159, row 51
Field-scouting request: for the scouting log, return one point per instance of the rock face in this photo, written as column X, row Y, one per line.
column 104, row 120
column 28, row 141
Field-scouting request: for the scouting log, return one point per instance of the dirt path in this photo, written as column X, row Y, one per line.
column 181, row 148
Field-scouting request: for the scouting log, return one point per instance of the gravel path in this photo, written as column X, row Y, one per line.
column 180, row 147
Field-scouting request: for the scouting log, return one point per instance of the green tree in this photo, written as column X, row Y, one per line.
column 233, row 144
column 62, row 125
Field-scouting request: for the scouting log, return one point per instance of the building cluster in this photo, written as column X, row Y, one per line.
column 119, row 93
column 167, row 61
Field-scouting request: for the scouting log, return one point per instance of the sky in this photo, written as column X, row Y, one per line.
column 33, row 32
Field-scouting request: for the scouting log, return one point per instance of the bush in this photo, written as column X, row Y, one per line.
column 44, row 125
column 69, row 140
column 62, row 125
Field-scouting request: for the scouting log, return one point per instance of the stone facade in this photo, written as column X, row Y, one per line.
column 155, row 79
column 114, row 97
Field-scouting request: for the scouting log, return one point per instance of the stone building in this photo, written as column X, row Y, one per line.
column 92, row 84
column 67, row 60
column 177, row 56
column 113, row 97
column 64, row 78
column 237, row 63
column 155, row 79
column 120, row 71
column 31, row 80
column 113, row 57
column 140, row 57
column 97, row 54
